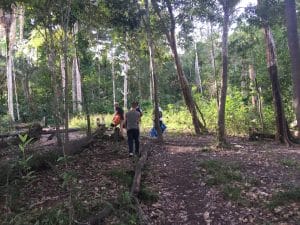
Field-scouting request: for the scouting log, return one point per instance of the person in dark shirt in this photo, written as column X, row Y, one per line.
column 132, row 120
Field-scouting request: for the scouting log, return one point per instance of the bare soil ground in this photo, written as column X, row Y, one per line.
column 194, row 183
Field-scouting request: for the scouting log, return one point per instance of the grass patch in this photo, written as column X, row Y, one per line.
column 126, row 211
column 148, row 195
column 220, row 172
column 285, row 197
column 290, row 163
column 232, row 193
column 125, row 177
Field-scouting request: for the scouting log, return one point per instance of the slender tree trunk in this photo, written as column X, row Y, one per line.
column 76, row 79
column 213, row 63
column 186, row 91
column 281, row 126
column 9, row 23
column 197, row 72
column 74, row 82
column 16, row 94
column 153, row 73
column 54, row 81
column 78, row 86
column 63, row 74
column 252, row 77
column 125, row 88
column 21, row 22
column 125, row 91
column 293, row 42
column 113, row 75
column 256, row 98
column 221, row 113
column 65, row 24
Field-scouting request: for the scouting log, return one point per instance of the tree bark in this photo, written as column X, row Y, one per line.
column 125, row 87
column 281, row 126
column 213, row 64
column 9, row 23
column 197, row 72
column 16, row 93
column 186, row 91
column 153, row 74
column 294, row 50
column 221, row 112
column 54, row 83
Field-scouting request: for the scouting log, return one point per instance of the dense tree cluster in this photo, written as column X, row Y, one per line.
column 63, row 58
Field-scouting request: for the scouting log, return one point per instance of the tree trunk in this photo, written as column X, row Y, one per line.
column 153, row 73
column 76, row 86
column 293, row 42
column 54, row 82
column 21, row 22
column 186, row 91
column 16, row 93
column 281, row 126
column 221, row 112
column 76, row 80
column 125, row 74
column 256, row 98
column 9, row 23
column 197, row 72
column 74, row 89
column 113, row 75
column 213, row 64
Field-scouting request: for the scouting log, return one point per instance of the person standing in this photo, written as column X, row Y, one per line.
column 132, row 120
column 118, row 117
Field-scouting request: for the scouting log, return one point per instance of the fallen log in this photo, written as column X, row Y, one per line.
column 136, row 184
column 41, row 160
column 43, row 132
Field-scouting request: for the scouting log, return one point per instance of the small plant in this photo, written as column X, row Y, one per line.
column 284, row 197
column 232, row 193
column 23, row 162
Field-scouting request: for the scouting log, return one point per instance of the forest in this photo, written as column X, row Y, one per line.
column 224, row 74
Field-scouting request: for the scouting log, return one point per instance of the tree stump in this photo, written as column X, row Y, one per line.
column 35, row 131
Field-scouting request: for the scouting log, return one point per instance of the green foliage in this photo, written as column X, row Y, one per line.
column 53, row 216
column 285, row 197
column 125, row 177
column 232, row 193
column 24, row 161
column 127, row 212
column 290, row 163
column 220, row 172
column 79, row 121
column 148, row 195
column 4, row 123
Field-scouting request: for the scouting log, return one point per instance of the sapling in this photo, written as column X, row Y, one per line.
column 22, row 146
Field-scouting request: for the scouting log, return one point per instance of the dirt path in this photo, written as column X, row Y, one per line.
column 195, row 184
column 198, row 185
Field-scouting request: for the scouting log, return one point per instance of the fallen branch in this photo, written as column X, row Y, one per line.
column 135, row 188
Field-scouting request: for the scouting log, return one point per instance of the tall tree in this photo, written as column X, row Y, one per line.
column 186, row 91
column 281, row 125
column 197, row 72
column 293, row 42
column 228, row 7
column 153, row 71
column 8, row 19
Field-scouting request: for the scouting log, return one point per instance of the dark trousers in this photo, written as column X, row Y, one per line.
column 133, row 135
